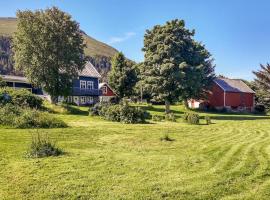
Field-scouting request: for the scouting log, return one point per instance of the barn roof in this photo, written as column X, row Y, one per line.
column 89, row 71
column 233, row 85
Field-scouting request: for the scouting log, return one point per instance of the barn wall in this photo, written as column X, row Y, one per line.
column 232, row 99
column 216, row 98
column 239, row 99
column 249, row 99
column 109, row 92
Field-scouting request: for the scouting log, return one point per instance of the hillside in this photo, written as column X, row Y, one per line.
column 98, row 52
column 94, row 47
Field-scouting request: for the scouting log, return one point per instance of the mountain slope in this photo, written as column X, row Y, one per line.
column 94, row 47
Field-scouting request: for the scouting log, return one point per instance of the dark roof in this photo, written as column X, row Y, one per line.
column 14, row 78
column 233, row 85
column 89, row 71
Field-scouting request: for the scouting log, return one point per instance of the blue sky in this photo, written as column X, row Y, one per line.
column 236, row 32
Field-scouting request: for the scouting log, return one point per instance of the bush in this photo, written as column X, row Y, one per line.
column 170, row 117
column 21, row 97
column 15, row 116
column 259, row 108
column 119, row 113
column 191, row 118
column 42, row 146
column 207, row 120
column 157, row 118
column 96, row 109
column 8, row 114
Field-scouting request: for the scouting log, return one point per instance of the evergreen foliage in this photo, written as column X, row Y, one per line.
column 122, row 77
column 261, row 85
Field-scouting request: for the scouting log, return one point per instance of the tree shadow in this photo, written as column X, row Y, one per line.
column 239, row 118
column 161, row 110
column 76, row 111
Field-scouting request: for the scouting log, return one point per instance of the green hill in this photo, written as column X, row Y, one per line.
column 94, row 47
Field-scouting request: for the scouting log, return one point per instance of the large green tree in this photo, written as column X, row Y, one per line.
column 176, row 66
column 2, row 83
column 122, row 77
column 48, row 47
column 261, row 85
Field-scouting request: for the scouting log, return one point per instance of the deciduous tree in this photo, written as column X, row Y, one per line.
column 48, row 47
column 176, row 66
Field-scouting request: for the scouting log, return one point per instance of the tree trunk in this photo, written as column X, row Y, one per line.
column 54, row 99
column 167, row 107
column 186, row 104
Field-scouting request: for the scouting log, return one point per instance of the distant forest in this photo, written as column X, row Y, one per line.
column 102, row 63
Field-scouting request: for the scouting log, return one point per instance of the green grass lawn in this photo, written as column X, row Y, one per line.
column 229, row 159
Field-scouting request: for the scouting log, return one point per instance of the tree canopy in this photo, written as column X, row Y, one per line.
column 175, row 66
column 122, row 77
column 2, row 82
column 48, row 47
column 261, row 85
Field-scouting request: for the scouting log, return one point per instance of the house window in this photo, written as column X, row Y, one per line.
column 83, row 84
column 90, row 99
column 104, row 90
column 76, row 99
column 83, row 100
column 90, row 85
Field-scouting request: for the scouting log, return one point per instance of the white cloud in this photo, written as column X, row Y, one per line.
column 125, row 37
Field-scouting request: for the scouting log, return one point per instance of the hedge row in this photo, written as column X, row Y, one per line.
column 22, row 98
column 119, row 113
column 17, row 117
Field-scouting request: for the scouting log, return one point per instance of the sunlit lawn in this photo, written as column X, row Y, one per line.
column 229, row 159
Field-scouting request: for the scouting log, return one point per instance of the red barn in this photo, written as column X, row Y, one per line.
column 232, row 94
column 106, row 92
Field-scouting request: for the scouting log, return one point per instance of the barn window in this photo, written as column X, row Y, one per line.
column 104, row 90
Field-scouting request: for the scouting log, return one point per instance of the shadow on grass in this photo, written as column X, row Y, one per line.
column 76, row 111
column 161, row 110
column 240, row 118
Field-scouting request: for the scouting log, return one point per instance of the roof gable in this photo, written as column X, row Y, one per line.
column 89, row 71
column 233, row 85
column 100, row 85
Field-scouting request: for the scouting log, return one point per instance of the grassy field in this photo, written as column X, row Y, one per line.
column 229, row 159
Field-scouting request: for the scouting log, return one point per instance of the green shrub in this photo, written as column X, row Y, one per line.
column 158, row 118
column 191, row 118
column 35, row 119
column 41, row 146
column 2, row 83
column 207, row 120
column 170, row 117
column 15, row 116
column 8, row 114
column 120, row 113
column 22, row 98
column 96, row 109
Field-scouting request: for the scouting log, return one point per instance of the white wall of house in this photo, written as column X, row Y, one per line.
column 193, row 104
column 105, row 98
